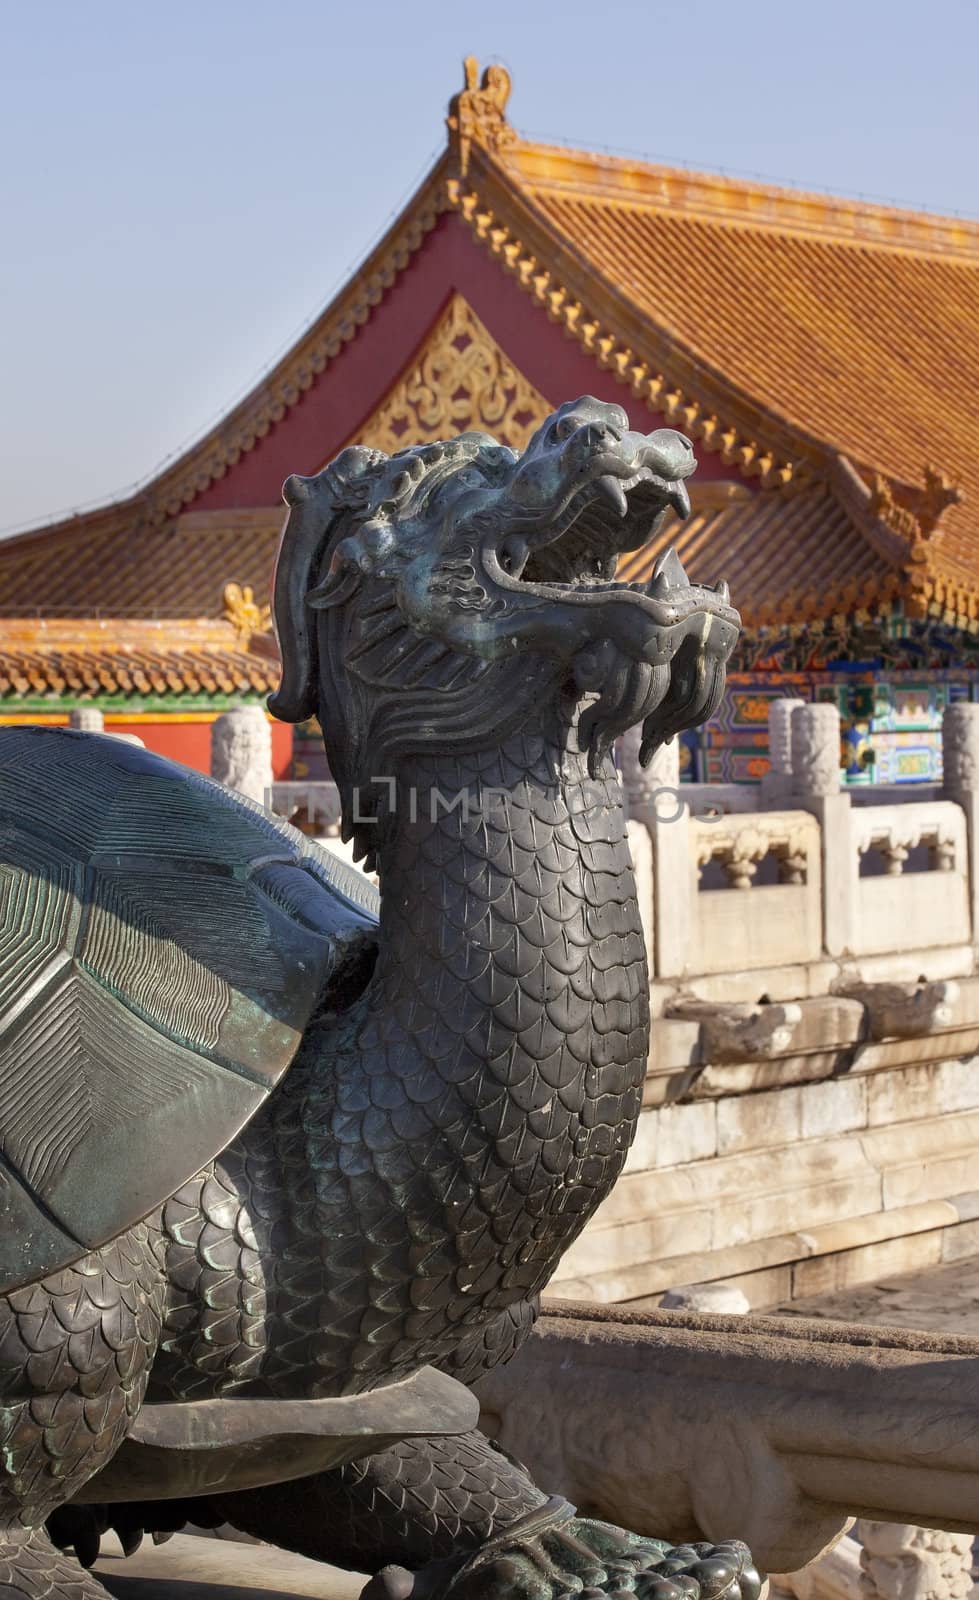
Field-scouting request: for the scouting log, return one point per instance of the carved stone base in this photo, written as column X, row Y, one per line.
column 900, row 1562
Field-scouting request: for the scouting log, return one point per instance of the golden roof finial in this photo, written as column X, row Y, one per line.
column 921, row 527
column 939, row 493
column 885, row 506
column 478, row 113
column 244, row 613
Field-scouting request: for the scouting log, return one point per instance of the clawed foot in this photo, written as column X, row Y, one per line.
column 551, row 1554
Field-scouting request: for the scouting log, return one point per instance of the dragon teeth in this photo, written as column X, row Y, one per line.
column 668, row 574
column 614, row 493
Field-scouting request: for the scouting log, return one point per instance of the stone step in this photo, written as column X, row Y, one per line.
column 950, row 1226
column 673, row 1134
column 941, row 1145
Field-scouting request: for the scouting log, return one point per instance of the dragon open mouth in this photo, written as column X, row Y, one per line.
column 601, row 520
column 576, row 556
column 658, row 650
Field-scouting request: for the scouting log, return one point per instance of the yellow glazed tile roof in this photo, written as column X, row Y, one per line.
column 110, row 670
column 136, row 659
column 114, row 566
column 871, row 348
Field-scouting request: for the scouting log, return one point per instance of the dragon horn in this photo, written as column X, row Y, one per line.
column 315, row 504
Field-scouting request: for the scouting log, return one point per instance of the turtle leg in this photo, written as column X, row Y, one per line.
column 432, row 1515
column 75, row 1353
column 32, row 1569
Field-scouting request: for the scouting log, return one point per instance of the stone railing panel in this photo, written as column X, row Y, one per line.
column 748, row 924
column 898, row 906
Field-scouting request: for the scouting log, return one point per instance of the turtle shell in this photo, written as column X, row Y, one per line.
column 163, row 944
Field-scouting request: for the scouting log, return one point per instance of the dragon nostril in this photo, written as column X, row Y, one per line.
column 597, row 433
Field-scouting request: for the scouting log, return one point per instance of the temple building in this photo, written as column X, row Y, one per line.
column 823, row 355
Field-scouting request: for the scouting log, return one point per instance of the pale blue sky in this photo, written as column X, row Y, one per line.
column 185, row 184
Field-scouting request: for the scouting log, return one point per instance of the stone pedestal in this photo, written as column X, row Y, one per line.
column 241, row 752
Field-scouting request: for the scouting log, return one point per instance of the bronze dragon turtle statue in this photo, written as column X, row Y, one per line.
column 278, row 1167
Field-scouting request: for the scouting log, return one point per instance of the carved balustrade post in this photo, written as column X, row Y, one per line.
column 814, row 786
column 777, row 782
column 89, row 719
column 653, row 796
column 86, row 719
column 641, row 785
column 900, row 1562
column 960, row 754
column 241, row 752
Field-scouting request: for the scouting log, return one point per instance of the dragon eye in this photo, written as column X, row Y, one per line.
column 512, row 556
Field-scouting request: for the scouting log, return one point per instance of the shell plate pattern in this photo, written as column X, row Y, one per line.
column 163, row 945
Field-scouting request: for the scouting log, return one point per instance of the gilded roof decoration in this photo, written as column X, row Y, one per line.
column 738, row 447
column 244, row 613
column 478, row 113
column 461, row 380
column 940, row 492
column 884, row 506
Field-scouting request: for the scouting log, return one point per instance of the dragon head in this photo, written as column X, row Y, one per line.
column 436, row 598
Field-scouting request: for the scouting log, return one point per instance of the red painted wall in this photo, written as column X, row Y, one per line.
column 355, row 382
column 190, row 742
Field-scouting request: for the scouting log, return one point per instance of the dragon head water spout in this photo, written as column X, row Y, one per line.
column 432, row 598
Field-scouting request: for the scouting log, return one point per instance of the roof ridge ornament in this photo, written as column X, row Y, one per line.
column 477, row 114
column 939, row 493
column 884, row 507
column 920, row 526
column 244, row 613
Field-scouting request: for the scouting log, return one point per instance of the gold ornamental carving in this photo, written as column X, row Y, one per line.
column 923, row 525
column 461, row 381
column 477, row 114
column 244, row 613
